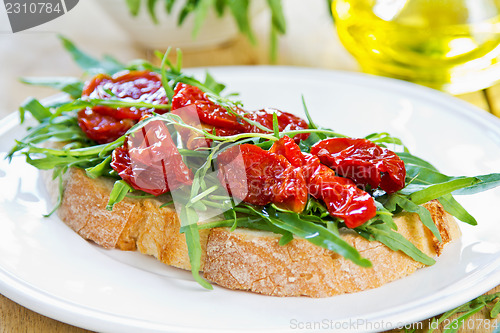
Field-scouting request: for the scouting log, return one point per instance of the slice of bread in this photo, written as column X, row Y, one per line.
column 244, row 259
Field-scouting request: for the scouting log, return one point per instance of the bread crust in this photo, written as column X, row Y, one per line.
column 244, row 259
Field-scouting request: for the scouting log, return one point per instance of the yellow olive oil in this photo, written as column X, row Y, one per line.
column 452, row 45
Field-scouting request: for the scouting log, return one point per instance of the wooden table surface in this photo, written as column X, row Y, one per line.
column 18, row 52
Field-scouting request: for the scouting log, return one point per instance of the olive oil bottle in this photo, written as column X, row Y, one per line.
column 451, row 45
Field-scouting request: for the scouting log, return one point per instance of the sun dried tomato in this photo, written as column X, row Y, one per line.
column 104, row 124
column 286, row 122
column 260, row 177
column 226, row 123
column 209, row 112
column 341, row 196
column 102, row 128
column 362, row 161
column 289, row 149
column 290, row 188
column 130, row 86
column 149, row 161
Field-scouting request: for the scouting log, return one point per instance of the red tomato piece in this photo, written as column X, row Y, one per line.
column 290, row 188
column 286, row 122
column 269, row 177
column 362, row 161
column 105, row 124
column 209, row 112
column 149, row 161
column 289, row 149
column 226, row 123
column 192, row 140
column 102, row 128
column 131, row 86
column 342, row 197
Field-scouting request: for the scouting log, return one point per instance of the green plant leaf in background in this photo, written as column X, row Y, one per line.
column 188, row 8
column 239, row 9
column 220, row 7
column 151, row 4
column 277, row 17
column 200, row 15
column 134, row 6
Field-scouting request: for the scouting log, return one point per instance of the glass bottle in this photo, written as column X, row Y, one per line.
column 451, row 45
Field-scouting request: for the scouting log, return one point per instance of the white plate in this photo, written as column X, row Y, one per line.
column 48, row 268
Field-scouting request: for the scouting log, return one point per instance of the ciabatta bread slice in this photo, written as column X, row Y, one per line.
column 244, row 259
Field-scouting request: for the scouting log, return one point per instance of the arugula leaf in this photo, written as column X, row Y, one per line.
column 62, row 128
column 308, row 115
column 50, row 162
column 385, row 216
column 69, row 85
column 120, row 189
column 189, row 223
column 486, row 182
column 91, row 151
column 384, row 138
column 409, row 206
column 99, row 169
column 417, row 161
column 468, row 309
column 79, row 104
column 276, row 128
column 90, row 64
column 458, row 322
column 214, row 86
column 424, row 176
column 394, row 241
column 312, row 232
column 435, row 191
column 318, row 235
column 164, row 77
column 495, row 311
column 454, row 208
column 33, row 106
column 58, row 173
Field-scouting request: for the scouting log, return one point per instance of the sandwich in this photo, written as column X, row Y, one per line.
column 146, row 158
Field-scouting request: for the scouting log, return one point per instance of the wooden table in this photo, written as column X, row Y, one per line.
column 16, row 318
